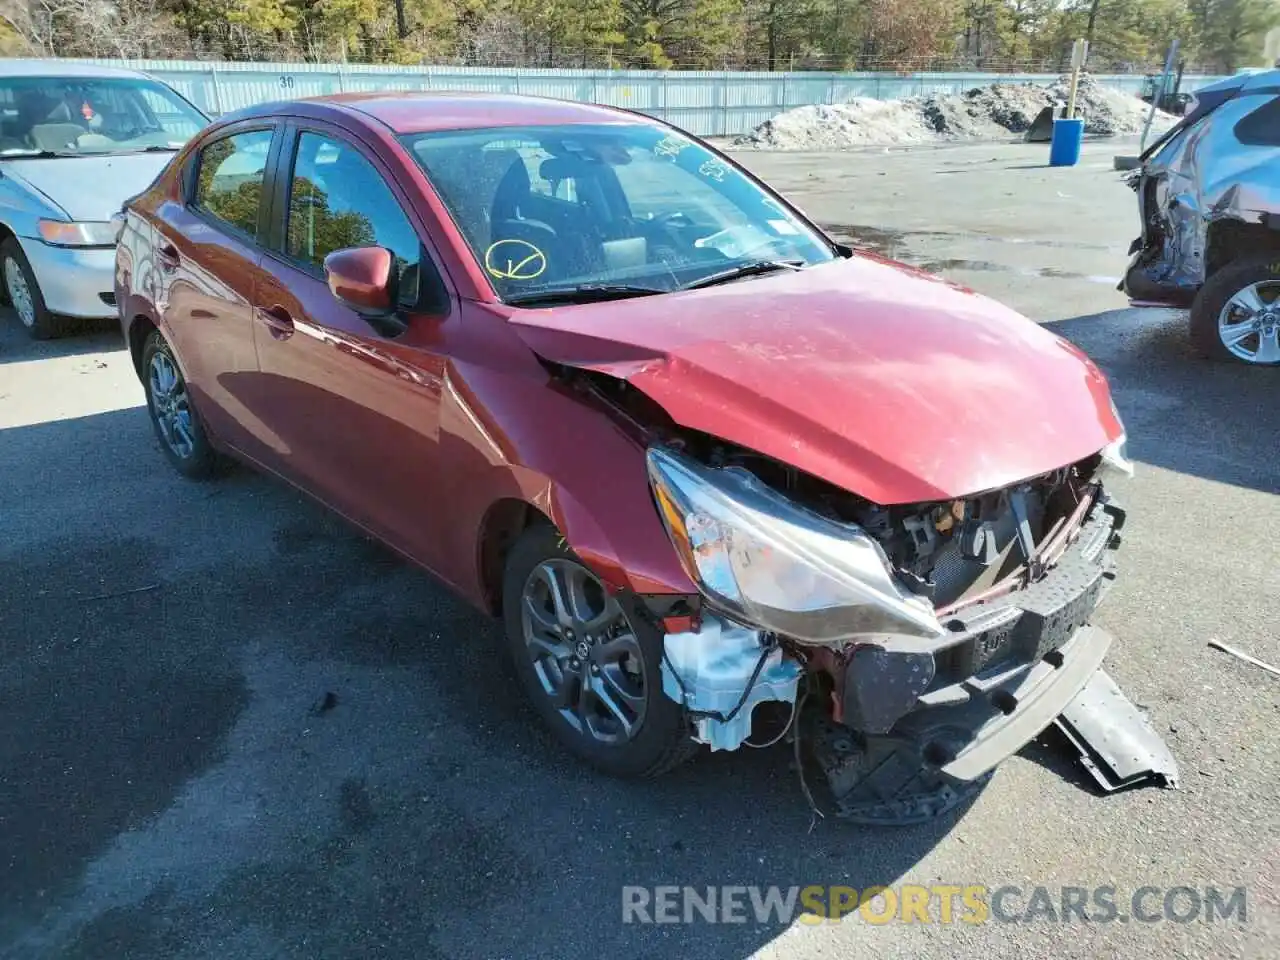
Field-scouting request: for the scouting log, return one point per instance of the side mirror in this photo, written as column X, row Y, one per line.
column 365, row 279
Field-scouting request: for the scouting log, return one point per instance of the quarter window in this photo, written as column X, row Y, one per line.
column 339, row 200
column 230, row 182
column 1261, row 128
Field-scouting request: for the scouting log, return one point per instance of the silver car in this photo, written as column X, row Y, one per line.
column 76, row 141
column 1209, row 199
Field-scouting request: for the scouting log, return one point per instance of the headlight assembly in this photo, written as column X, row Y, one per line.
column 765, row 561
column 86, row 233
column 1114, row 458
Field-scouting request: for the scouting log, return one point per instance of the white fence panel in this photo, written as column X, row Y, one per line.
column 707, row 103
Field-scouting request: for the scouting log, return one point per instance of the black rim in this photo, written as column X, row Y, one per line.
column 584, row 651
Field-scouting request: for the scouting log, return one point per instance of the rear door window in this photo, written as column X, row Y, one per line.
column 231, row 175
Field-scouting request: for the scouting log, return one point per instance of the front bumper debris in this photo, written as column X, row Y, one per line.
column 1031, row 701
column 940, row 757
column 907, row 733
column 1117, row 745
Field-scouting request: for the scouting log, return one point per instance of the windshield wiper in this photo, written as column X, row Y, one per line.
column 583, row 293
column 37, row 154
column 749, row 269
column 52, row 154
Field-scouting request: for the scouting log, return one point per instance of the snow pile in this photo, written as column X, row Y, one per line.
column 992, row 112
column 860, row 122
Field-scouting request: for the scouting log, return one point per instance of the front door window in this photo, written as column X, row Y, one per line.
column 339, row 200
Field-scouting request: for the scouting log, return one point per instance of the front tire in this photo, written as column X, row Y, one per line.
column 22, row 292
column 1236, row 314
column 590, row 665
column 177, row 425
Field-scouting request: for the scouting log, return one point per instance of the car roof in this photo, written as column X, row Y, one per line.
column 1261, row 79
column 61, row 68
column 423, row 111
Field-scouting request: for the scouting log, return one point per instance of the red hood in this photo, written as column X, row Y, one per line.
column 878, row 378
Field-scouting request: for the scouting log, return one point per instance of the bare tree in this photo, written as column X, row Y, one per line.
column 92, row 28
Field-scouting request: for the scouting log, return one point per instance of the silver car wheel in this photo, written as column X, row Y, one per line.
column 1249, row 323
column 584, row 651
column 15, row 282
column 170, row 406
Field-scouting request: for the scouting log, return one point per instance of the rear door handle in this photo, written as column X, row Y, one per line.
column 277, row 320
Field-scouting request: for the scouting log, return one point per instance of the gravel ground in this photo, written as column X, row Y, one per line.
column 175, row 783
column 993, row 112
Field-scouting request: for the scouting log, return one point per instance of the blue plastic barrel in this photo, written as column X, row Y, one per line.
column 1064, row 148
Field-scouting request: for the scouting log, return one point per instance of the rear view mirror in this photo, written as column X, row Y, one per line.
column 365, row 279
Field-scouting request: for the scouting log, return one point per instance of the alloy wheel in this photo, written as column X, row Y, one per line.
column 170, row 405
column 15, row 282
column 584, row 651
column 1249, row 323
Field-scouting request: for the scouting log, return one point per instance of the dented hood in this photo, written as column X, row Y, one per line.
column 876, row 377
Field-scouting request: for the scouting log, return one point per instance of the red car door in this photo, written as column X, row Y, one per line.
column 207, row 255
column 354, row 402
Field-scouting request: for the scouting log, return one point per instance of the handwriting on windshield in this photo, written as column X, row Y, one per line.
column 713, row 169
column 669, row 147
column 514, row 260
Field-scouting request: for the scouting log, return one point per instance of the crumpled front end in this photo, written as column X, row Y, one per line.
column 933, row 640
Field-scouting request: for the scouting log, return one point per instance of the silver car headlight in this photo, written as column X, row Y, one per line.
column 85, row 233
column 762, row 560
column 1115, row 460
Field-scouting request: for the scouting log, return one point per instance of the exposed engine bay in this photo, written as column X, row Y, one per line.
column 986, row 640
column 947, row 552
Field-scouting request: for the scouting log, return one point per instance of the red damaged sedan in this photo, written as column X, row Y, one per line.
column 696, row 455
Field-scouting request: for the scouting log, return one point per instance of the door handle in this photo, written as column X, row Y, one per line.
column 277, row 320
column 168, row 258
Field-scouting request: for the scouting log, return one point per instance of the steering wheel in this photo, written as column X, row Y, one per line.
column 671, row 218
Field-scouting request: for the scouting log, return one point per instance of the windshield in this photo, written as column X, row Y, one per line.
column 74, row 116
column 611, row 208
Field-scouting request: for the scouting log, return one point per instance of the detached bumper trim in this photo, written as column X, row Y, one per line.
column 1041, row 696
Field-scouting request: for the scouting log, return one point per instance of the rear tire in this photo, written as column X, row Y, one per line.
column 22, row 293
column 173, row 415
column 660, row 738
column 1222, row 289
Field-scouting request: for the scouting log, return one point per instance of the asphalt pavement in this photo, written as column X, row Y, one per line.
column 231, row 727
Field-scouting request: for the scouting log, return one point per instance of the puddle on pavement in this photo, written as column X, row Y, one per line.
column 937, row 266
column 893, row 243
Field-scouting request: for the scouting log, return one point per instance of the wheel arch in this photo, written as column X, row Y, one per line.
column 627, row 560
column 1228, row 239
column 6, row 233
column 500, row 527
column 140, row 328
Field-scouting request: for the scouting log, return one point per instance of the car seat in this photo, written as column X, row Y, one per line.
column 46, row 122
column 509, row 219
column 55, row 136
column 569, row 225
column 467, row 181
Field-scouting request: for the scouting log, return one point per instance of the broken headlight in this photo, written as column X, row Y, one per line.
column 1114, row 459
column 765, row 561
